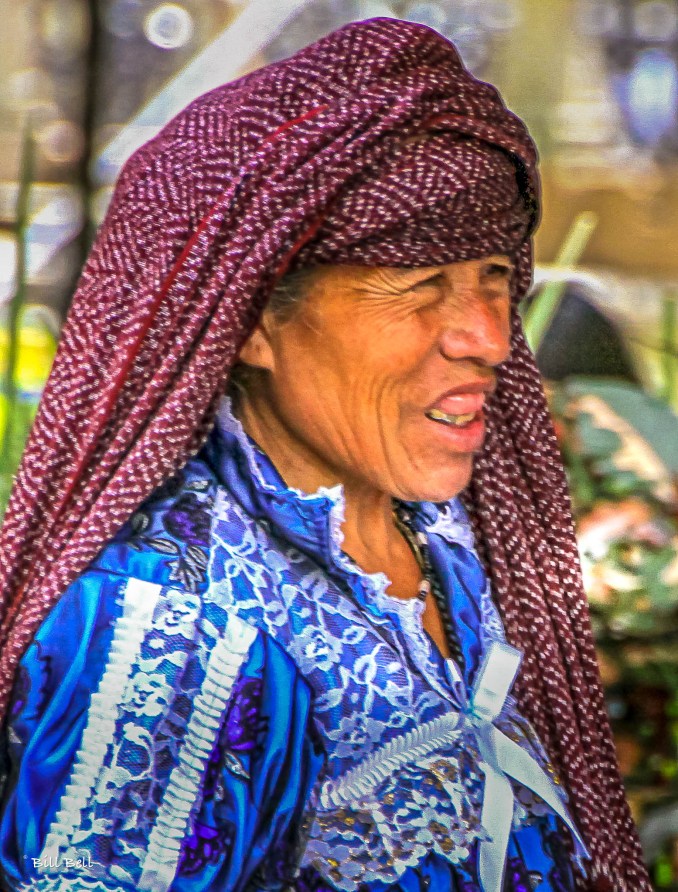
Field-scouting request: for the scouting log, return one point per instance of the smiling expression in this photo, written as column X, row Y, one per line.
column 379, row 377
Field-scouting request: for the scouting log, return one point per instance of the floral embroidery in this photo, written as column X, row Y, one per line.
column 355, row 731
column 180, row 529
column 206, row 845
column 165, row 680
column 517, row 877
column 242, row 728
column 148, row 696
column 243, row 724
column 428, row 805
column 187, row 520
column 313, row 649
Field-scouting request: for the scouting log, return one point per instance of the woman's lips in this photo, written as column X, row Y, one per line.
column 459, row 403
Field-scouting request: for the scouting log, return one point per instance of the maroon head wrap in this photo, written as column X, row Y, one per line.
column 373, row 146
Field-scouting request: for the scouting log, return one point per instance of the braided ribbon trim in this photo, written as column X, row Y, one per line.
column 414, row 746
column 182, row 796
column 139, row 601
column 60, row 863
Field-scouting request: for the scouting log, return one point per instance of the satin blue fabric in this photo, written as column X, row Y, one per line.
column 247, row 833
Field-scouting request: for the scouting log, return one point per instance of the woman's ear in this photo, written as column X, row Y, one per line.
column 257, row 350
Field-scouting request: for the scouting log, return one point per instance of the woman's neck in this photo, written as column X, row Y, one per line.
column 370, row 536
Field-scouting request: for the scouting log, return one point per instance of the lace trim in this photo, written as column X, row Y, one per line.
column 139, row 601
column 453, row 525
column 228, row 423
column 63, row 883
column 369, row 774
column 429, row 805
column 183, row 791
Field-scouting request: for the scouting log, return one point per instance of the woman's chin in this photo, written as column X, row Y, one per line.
column 441, row 484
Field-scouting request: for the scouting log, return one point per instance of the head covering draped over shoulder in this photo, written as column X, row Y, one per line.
column 373, row 146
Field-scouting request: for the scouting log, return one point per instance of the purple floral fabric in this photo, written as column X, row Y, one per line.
column 243, row 726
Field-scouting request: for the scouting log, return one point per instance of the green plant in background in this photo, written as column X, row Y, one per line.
column 27, row 345
column 539, row 314
column 670, row 348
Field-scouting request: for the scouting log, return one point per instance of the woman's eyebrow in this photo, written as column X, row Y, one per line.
column 397, row 283
column 405, row 281
column 402, row 283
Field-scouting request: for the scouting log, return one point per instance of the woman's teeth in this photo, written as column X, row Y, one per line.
column 445, row 418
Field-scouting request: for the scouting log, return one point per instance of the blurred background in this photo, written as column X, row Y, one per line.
column 84, row 83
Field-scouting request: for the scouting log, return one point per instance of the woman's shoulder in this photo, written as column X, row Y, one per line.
column 161, row 556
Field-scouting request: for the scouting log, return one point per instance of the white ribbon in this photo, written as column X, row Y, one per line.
column 503, row 758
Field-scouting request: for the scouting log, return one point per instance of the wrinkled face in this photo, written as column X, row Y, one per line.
column 381, row 374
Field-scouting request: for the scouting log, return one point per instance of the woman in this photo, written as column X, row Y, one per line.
column 225, row 680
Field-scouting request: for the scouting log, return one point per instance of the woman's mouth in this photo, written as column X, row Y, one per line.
column 457, row 409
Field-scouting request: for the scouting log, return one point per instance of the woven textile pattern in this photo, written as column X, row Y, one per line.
column 375, row 147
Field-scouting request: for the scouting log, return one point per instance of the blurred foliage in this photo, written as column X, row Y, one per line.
column 35, row 349
column 620, row 449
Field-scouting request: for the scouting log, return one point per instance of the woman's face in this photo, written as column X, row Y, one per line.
column 380, row 376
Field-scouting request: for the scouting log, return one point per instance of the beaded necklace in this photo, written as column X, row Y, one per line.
column 429, row 584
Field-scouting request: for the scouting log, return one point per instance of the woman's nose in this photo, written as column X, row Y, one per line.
column 477, row 326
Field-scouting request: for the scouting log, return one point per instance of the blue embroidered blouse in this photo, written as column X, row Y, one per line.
column 225, row 701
